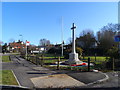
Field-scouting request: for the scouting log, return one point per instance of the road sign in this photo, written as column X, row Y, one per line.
column 117, row 38
column 27, row 43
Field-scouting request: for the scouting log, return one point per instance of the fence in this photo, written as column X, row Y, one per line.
column 40, row 60
column 108, row 64
column 98, row 64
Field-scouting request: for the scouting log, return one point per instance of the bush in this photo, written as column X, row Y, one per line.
column 67, row 51
column 113, row 52
column 56, row 51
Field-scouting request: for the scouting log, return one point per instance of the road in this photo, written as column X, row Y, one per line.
column 24, row 70
column 113, row 81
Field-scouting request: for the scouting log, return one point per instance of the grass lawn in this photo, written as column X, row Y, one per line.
column 52, row 61
column 7, row 78
column 98, row 58
column 5, row 59
column 15, row 53
column 47, row 56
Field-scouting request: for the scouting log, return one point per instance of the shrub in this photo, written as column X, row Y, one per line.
column 113, row 52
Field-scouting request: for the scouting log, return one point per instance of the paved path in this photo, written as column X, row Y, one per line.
column 24, row 70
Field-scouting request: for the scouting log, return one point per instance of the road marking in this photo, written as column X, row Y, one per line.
column 16, row 78
column 17, row 81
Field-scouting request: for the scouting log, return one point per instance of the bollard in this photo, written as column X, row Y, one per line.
column 95, row 56
column 88, row 64
column 58, row 63
column 42, row 60
column 36, row 61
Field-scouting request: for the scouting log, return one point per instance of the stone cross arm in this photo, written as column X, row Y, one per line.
column 73, row 27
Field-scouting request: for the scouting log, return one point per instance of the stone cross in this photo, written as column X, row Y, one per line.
column 73, row 56
column 73, row 38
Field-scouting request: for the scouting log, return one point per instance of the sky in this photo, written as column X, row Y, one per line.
column 38, row 20
column 59, row 0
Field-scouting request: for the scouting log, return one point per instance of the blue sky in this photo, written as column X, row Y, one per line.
column 37, row 20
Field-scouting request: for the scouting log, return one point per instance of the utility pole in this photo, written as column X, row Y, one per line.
column 21, row 44
column 26, row 49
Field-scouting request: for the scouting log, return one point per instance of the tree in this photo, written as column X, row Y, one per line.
column 1, row 46
column 113, row 52
column 106, row 38
column 69, row 50
column 4, row 48
column 69, row 41
column 86, row 41
column 79, row 51
column 44, row 42
column 11, row 40
column 1, row 43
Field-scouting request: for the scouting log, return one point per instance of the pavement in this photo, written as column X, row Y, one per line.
column 113, row 81
column 56, row 81
column 26, row 71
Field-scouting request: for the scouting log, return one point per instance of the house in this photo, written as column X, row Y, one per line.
column 16, row 46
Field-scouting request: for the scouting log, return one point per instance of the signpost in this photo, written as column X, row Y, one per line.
column 27, row 44
column 117, row 38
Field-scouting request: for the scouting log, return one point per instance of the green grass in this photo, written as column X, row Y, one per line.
column 7, row 78
column 53, row 61
column 47, row 56
column 15, row 53
column 99, row 59
column 5, row 59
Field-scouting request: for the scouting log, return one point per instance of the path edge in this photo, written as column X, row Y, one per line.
column 99, row 81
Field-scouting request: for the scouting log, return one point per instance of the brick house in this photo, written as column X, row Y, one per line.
column 16, row 46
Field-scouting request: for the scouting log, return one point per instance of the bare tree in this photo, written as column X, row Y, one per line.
column 106, row 37
column 44, row 42
column 69, row 41
column 86, row 40
column 1, row 42
column 11, row 40
column 86, row 31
